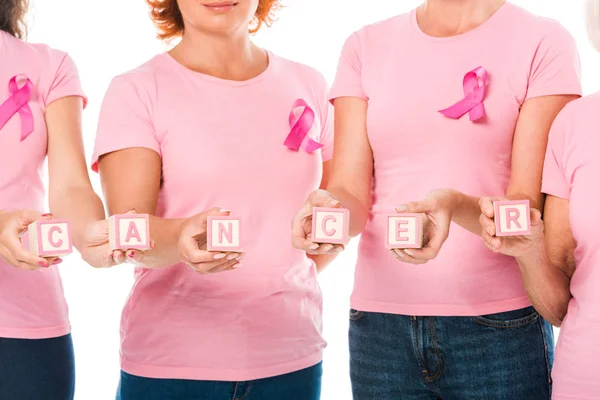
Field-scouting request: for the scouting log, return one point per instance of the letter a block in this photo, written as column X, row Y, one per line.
column 223, row 234
column 404, row 231
column 512, row 218
column 330, row 225
column 129, row 231
column 50, row 238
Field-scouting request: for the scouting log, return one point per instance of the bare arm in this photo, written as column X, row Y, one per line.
column 529, row 147
column 547, row 270
column 131, row 180
column 71, row 195
column 352, row 164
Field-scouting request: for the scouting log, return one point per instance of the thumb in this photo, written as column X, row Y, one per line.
column 27, row 217
column 322, row 198
column 415, row 207
column 132, row 211
column 536, row 217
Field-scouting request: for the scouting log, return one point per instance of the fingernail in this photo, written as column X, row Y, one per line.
column 131, row 255
column 334, row 203
column 43, row 264
column 410, row 253
column 219, row 256
column 240, row 257
column 327, row 247
column 232, row 257
column 489, row 230
column 313, row 247
column 236, row 265
column 401, row 208
column 399, row 254
column 338, row 249
column 224, row 210
column 57, row 261
column 47, row 215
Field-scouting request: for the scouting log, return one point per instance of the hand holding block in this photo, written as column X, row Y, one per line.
column 223, row 234
column 512, row 218
column 129, row 231
column 50, row 238
column 404, row 231
column 330, row 225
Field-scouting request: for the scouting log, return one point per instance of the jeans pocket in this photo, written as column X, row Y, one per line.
column 509, row 319
column 355, row 315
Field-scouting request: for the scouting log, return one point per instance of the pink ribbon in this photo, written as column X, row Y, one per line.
column 17, row 103
column 474, row 94
column 298, row 136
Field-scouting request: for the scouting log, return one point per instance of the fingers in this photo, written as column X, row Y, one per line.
column 402, row 255
column 217, row 266
column 486, row 205
column 415, row 207
column 322, row 198
column 327, row 248
column 492, row 242
column 487, row 224
column 536, row 217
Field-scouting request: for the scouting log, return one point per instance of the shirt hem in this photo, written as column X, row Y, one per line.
column 441, row 310
column 211, row 374
column 43, row 333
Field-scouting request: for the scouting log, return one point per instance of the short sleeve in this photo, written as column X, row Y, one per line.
column 556, row 68
column 348, row 79
column 125, row 119
column 65, row 81
column 555, row 182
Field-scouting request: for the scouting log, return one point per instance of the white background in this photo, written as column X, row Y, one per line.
column 109, row 37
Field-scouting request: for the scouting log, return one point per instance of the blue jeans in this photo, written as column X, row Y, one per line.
column 505, row 356
column 37, row 369
column 299, row 385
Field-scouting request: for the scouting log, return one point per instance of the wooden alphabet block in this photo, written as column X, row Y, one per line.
column 224, row 234
column 330, row 225
column 404, row 231
column 129, row 232
column 50, row 238
column 512, row 218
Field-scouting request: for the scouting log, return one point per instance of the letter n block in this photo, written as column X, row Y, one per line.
column 404, row 231
column 223, row 234
column 330, row 225
column 129, row 231
column 50, row 238
column 512, row 218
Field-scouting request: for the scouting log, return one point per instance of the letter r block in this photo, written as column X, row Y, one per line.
column 50, row 238
column 404, row 231
column 223, row 234
column 512, row 218
column 330, row 225
column 129, row 231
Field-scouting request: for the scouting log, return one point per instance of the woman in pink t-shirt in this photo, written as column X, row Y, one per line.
column 448, row 103
column 560, row 261
column 218, row 124
column 40, row 118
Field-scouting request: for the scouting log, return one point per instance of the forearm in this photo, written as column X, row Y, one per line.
column 165, row 235
column 466, row 211
column 546, row 285
column 81, row 206
column 359, row 212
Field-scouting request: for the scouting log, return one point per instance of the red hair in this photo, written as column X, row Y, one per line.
column 169, row 21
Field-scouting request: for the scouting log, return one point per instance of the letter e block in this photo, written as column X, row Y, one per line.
column 330, row 225
column 129, row 231
column 51, row 238
column 404, row 231
column 223, row 234
column 512, row 218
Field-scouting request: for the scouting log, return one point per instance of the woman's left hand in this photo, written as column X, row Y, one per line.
column 96, row 250
column 438, row 207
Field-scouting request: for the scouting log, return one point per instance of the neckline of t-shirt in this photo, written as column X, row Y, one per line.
column 221, row 81
column 445, row 39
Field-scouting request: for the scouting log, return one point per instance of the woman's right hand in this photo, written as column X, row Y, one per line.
column 192, row 246
column 302, row 224
column 515, row 246
column 12, row 226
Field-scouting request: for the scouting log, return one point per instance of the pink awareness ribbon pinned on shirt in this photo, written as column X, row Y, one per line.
column 17, row 103
column 474, row 94
column 298, row 136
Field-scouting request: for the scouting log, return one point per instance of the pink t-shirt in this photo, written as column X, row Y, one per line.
column 32, row 304
column 571, row 172
column 407, row 76
column 221, row 144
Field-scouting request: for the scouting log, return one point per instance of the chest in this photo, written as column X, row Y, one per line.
column 233, row 141
column 407, row 87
